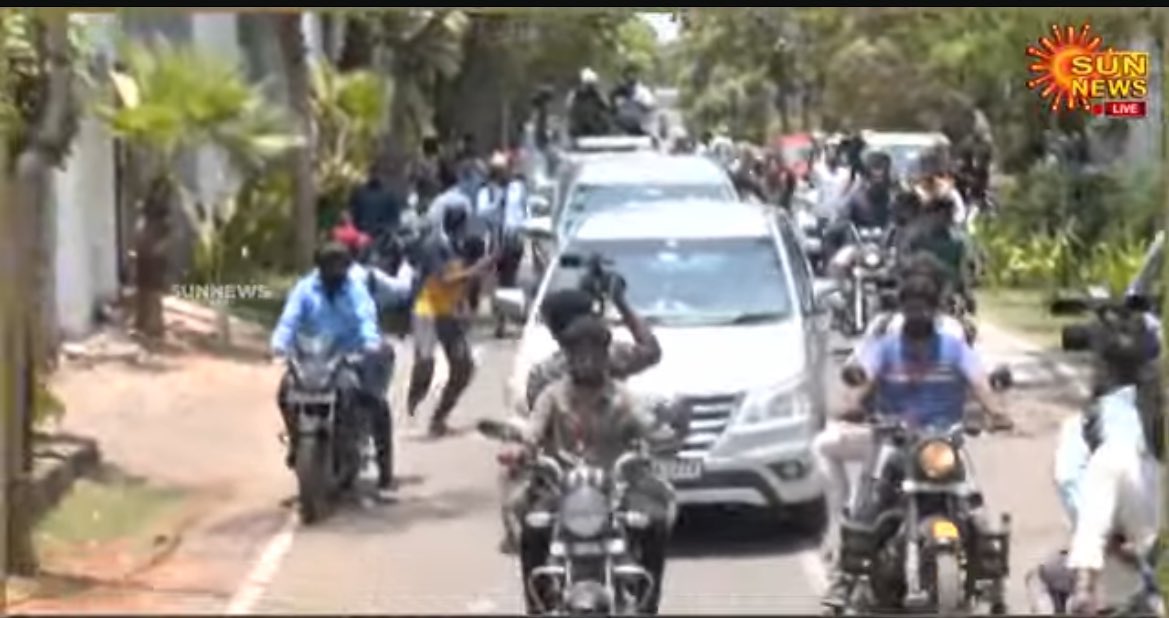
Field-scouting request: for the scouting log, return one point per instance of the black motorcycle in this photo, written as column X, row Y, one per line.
column 333, row 433
column 591, row 569
column 869, row 276
column 924, row 550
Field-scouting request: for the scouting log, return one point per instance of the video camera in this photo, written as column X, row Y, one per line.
column 598, row 278
column 1114, row 319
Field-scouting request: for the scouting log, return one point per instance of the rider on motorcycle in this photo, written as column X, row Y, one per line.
column 590, row 398
column 933, row 232
column 869, row 206
column 333, row 301
column 1107, row 465
column 922, row 372
column 559, row 309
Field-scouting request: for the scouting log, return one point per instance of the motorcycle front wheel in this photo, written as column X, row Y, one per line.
column 949, row 593
column 312, row 476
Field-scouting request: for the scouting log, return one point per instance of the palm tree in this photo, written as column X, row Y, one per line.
column 420, row 47
column 290, row 32
column 172, row 99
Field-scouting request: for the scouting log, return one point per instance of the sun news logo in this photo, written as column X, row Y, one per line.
column 222, row 293
column 1071, row 71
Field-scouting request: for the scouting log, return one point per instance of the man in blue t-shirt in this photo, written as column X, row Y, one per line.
column 920, row 373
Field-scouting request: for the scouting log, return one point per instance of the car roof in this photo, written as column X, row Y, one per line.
column 651, row 168
column 688, row 218
column 907, row 138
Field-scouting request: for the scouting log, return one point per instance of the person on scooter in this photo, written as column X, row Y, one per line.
column 920, row 372
column 1107, row 467
column 332, row 301
column 589, row 396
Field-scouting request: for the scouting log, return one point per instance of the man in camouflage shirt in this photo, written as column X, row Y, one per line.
column 558, row 310
column 593, row 416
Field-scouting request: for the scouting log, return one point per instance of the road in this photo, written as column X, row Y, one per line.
column 435, row 549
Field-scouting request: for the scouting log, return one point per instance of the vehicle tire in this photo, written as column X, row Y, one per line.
column 312, row 477
column 949, row 592
column 810, row 517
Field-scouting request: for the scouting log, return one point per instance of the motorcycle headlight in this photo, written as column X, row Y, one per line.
column 937, row 459
column 871, row 259
column 763, row 407
column 584, row 512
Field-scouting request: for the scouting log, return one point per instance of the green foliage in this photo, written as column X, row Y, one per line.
column 925, row 68
column 174, row 97
column 1059, row 229
column 349, row 110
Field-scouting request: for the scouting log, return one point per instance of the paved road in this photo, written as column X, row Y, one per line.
column 435, row 551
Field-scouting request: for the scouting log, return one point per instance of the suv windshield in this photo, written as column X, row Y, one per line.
column 590, row 199
column 694, row 282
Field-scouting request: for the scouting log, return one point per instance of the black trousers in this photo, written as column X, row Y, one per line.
column 449, row 333
column 649, row 546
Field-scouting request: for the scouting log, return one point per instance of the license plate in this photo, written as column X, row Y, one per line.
column 679, row 469
column 944, row 529
column 307, row 398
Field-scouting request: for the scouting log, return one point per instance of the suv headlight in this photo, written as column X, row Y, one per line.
column 762, row 407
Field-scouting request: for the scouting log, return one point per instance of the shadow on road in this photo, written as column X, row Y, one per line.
column 712, row 533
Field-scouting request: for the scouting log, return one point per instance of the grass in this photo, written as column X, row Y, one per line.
column 109, row 526
column 1024, row 312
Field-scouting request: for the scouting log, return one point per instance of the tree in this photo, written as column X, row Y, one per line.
column 171, row 99
column 40, row 119
column 290, row 31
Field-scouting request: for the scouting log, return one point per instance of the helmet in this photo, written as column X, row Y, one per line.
column 588, row 76
column 498, row 162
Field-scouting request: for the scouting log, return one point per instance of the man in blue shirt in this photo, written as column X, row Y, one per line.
column 332, row 301
column 920, row 373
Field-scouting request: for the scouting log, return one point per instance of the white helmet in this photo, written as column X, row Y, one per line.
column 588, row 76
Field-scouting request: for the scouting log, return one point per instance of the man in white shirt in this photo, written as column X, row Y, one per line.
column 833, row 182
column 1107, row 468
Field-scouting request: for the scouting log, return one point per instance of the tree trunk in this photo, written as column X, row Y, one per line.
column 19, row 554
column 151, row 248
column 30, row 331
column 295, row 52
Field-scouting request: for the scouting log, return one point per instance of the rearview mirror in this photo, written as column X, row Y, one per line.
column 511, row 304
column 539, row 228
column 539, row 206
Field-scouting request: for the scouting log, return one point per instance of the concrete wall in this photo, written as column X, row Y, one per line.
column 85, row 211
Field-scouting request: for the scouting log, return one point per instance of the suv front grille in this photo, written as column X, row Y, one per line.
column 709, row 417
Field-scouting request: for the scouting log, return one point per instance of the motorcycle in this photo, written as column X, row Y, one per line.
column 332, row 430
column 925, row 550
column 811, row 230
column 869, row 275
column 591, row 569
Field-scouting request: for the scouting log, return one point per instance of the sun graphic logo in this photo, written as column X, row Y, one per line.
column 1071, row 72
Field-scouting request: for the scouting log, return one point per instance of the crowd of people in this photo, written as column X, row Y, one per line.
column 919, row 361
column 462, row 216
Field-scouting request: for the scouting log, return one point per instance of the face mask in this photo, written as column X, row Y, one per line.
column 918, row 328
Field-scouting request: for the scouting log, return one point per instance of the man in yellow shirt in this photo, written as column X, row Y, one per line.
column 443, row 276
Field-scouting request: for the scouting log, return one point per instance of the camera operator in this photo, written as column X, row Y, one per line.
column 1107, row 460
column 559, row 309
column 598, row 287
